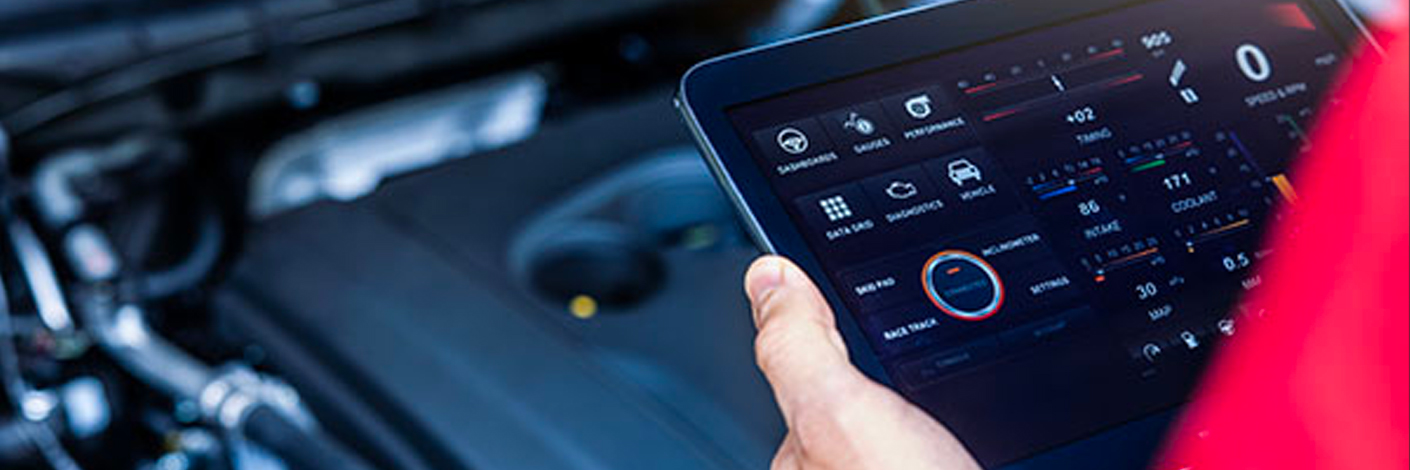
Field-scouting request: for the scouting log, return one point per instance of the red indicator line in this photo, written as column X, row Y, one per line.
column 1109, row 54
column 1226, row 228
column 1134, row 256
column 976, row 89
column 1088, row 175
column 1000, row 114
column 1180, row 146
column 1291, row 14
column 953, row 271
column 1135, row 77
column 1124, row 261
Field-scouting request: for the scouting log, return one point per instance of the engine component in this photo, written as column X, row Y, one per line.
column 346, row 158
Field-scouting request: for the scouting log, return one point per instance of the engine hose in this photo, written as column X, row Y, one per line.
column 15, row 448
column 39, row 435
column 194, row 268
column 25, row 443
column 300, row 449
column 122, row 331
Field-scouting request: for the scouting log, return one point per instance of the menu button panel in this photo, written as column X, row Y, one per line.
column 796, row 146
column 839, row 213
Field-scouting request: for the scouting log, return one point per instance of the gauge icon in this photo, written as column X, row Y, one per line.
column 963, row 285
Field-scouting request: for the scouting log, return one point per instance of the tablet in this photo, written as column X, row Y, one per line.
column 1033, row 218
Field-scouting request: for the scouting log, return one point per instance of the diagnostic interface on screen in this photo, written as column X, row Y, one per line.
column 1052, row 229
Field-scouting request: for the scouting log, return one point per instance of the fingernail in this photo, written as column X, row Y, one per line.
column 764, row 276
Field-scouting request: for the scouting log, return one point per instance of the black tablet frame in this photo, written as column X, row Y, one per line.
column 710, row 89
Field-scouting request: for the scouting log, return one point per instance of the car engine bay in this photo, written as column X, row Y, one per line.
column 411, row 234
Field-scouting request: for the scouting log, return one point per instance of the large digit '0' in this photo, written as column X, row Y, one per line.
column 1253, row 62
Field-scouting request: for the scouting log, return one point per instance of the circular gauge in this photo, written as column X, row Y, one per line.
column 963, row 285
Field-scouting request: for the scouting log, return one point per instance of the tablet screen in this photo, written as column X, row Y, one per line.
column 1042, row 236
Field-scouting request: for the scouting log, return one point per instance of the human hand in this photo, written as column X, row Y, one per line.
column 837, row 417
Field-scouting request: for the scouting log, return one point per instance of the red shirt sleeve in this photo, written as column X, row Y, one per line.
column 1321, row 382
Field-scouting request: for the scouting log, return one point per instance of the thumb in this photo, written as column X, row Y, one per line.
column 797, row 347
column 835, row 414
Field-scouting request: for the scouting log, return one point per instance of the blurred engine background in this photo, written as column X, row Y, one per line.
column 397, row 234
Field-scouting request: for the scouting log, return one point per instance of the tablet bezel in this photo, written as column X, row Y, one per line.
column 710, row 89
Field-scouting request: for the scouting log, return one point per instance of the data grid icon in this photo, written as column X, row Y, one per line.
column 836, row 208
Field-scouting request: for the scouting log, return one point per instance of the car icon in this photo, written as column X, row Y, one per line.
column 962, row 170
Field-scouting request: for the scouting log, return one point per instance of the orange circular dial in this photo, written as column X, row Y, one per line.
column 963, row 285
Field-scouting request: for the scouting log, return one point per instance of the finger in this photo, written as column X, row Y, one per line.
column 768, row 274
column 827, row 403
column 788, row 457
column 797, row 347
